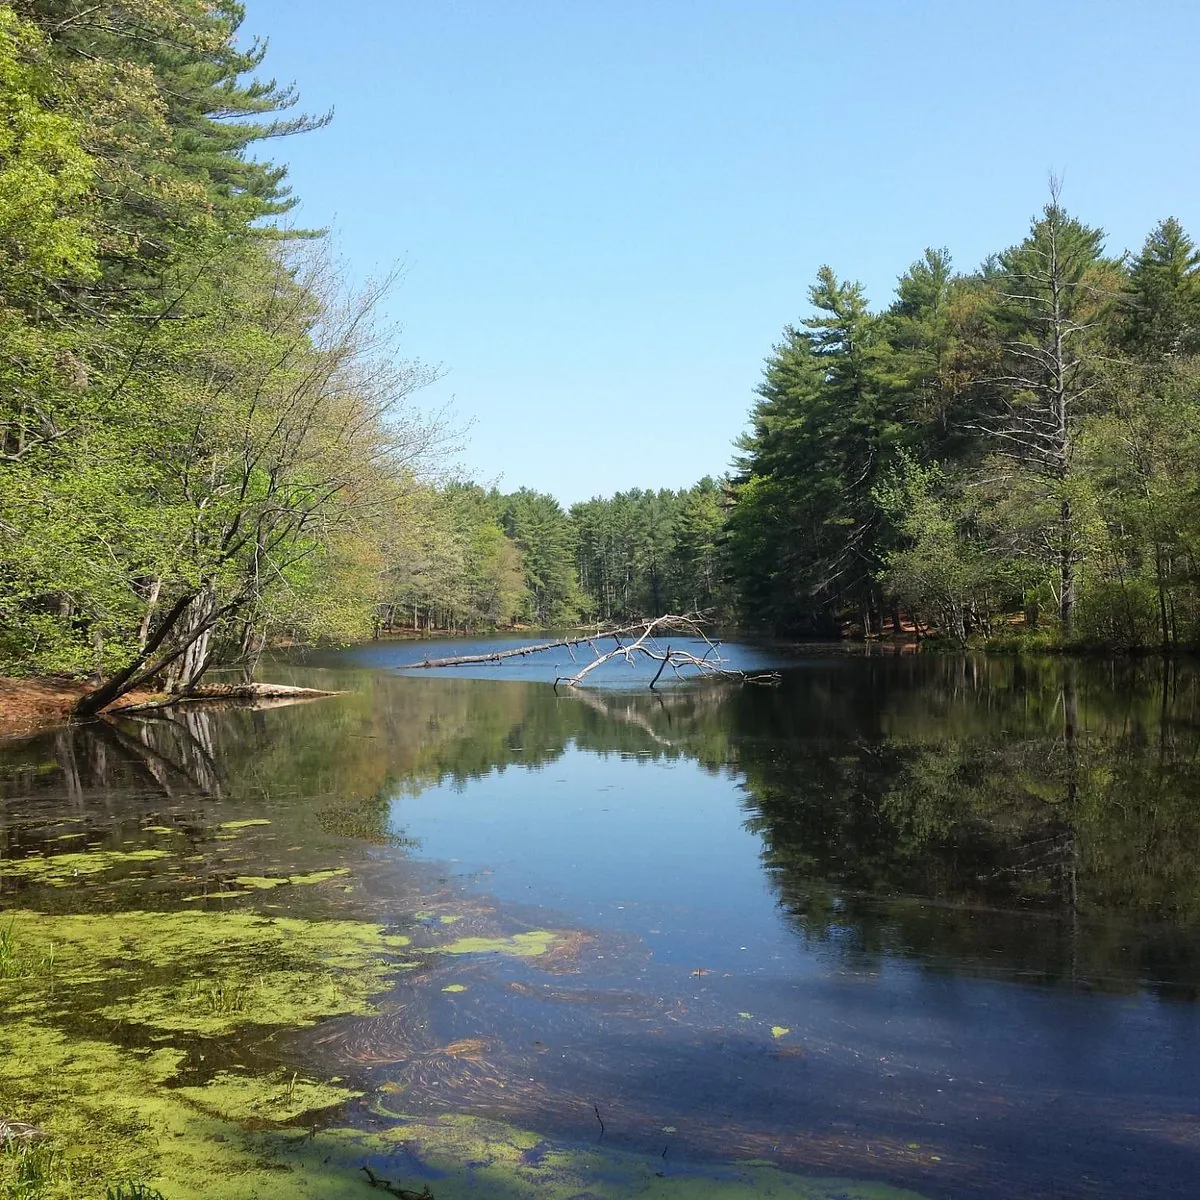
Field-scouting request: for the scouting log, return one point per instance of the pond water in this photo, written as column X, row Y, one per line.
column 931, row 922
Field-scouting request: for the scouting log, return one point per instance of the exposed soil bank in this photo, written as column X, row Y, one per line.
column 27, row 705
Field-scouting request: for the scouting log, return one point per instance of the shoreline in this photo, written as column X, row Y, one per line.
column 30, row 705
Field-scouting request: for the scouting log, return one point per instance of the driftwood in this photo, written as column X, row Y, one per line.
column 642, row 640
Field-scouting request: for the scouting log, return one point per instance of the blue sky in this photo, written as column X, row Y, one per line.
column 608, row 210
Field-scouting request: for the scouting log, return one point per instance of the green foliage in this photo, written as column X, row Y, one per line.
column 648, row 553
column 999, row 445
column 203, row 438
column 546, row 538
column 133, row 1191
column 45, row 174
column 937, row 567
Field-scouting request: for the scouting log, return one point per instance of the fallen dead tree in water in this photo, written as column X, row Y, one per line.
column 640, row 639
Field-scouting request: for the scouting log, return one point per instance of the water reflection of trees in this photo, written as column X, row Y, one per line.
column 1010, row 815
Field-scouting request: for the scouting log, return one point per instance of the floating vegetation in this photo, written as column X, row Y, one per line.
column 280, row 1097
column 468, row 1157
column 80, row 1113
column 532, row 944
column 244, row 824
column 203, row 973
column 62, row 870
column 266, row 882
column 115, row 1114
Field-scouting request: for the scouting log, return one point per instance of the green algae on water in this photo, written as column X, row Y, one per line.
column 267, row 882
column 471, row 1157
column 521, row 945
column 159, row 969
column 122, row 1114
column 62, row 870
column 115, row 1114
column 115, row 1117
column 244, row 824
column 281, row 1096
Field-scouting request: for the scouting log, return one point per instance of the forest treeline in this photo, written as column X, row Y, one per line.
column 1019, row 442
column 479, row 559
column 208, row 441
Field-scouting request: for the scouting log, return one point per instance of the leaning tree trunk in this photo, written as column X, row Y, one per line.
column 136, row 670
column 185, row 671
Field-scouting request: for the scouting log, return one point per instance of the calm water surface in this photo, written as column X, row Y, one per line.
column 933, row 921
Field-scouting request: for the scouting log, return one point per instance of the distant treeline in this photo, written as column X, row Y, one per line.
column 469, row 559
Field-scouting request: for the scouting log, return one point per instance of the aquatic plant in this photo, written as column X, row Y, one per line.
column 9, row 963
column 531, row 944
column 267, row 882
column 132, row 1191
column 64, row 870
column 38, row 1166
column 198, row 972
column 218, row 995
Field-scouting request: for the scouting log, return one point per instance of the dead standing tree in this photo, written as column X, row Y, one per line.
column 639, row 640
column 1053, row 290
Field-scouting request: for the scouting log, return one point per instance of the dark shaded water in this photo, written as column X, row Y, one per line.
column 934, row 921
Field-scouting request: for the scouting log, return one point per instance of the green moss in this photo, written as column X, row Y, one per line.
column 62, row 870
column 520, row 945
